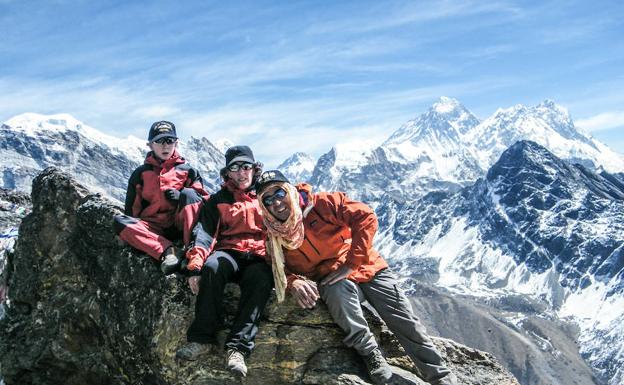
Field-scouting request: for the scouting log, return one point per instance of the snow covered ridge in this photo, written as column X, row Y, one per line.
column 534, row 225
column 298, row 167
column 35, row 125
column 32, row 142
column 448, row 147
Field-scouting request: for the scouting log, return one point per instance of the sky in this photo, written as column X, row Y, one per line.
column 287, row 76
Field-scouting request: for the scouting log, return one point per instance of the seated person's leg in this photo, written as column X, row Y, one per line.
column 141, row 235
column 343, row 303
column 256, row 283
column 219, row 269
column 395, row 309
column 187, row 213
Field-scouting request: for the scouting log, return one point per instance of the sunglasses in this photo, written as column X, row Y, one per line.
column 166, row 140
column 270, row 199
column 238, row 166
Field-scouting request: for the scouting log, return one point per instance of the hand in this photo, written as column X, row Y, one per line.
column 338, row 275
column 172, row 195
column 193, row 283
column 305, row 292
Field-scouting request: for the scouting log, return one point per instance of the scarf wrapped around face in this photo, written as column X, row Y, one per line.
column 288, row 234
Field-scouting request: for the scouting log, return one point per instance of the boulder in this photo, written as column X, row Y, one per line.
column 84, row 309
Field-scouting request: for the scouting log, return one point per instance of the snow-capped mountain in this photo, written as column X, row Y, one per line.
column 534, row 225
column 298, row 167
column 555, row 241
column 447, row 148
column 434, row 142
column 460, row 203
column 548, row 124
column 424, row 154
column 32, row 142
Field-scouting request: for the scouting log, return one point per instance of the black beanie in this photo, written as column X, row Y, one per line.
column 239, row 154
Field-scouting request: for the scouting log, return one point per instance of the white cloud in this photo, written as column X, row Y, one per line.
column 603, row 121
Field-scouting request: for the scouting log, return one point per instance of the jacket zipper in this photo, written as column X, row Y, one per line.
column 312, row 244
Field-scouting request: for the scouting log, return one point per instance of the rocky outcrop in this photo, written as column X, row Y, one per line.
column 85, row 310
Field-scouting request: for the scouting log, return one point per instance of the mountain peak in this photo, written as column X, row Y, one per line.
column 446, row 105
column 298, row 167
column 446, row 121
column 551, row 108
column 31, row 122
column 530, row 158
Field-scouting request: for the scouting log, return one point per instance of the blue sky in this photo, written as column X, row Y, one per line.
column 303, row 75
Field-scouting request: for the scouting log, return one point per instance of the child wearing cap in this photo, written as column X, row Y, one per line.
column 163, row 200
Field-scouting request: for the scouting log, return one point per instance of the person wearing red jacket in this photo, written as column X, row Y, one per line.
column 322, row 247
column 163, row 200
column 229, row 246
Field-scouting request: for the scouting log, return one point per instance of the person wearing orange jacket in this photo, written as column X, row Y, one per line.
column 321, row 246
column 229, row 246
column 163, row 200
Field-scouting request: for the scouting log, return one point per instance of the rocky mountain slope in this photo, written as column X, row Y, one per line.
column 85, row 310
column 32, row 142
column 427, row 169
column 534, row 254
column 535, row 225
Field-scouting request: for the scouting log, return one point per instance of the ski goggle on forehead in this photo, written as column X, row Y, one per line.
column 268, row 200
column 238, row 166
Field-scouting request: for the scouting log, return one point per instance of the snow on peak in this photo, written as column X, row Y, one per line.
column 297, row 157
column 353, row 154
column 446, row 105
column 298, row 167
column 223, row 144
column 36, row 125
column 444, row 122
column 30, row 123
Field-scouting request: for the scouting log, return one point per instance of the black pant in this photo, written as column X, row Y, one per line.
column 255, row 279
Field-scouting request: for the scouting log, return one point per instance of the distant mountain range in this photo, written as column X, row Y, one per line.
column 521, row 202
column 32, row 142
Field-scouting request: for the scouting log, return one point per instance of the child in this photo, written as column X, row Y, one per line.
column 163, row 200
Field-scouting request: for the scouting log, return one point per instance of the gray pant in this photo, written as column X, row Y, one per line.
column 344, row 302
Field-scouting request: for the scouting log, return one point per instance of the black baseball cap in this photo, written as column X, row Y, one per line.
column 161, row 129
column 268, row 177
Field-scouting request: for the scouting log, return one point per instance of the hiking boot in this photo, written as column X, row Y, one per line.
column 236, row 362
column 192, row 351
column 378, row 369
column 171, row 259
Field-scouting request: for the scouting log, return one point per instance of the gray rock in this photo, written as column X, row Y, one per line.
column 85, row 310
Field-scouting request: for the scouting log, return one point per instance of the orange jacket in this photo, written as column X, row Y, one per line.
column 338, row 231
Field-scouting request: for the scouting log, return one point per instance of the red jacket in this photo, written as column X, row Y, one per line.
column 145, row 196
column 229, row 220
column 338, row 231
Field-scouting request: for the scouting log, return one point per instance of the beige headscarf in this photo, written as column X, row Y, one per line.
column 288, row 234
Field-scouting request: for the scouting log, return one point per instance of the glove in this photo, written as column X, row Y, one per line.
column 195, row 262
column 172, row 195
